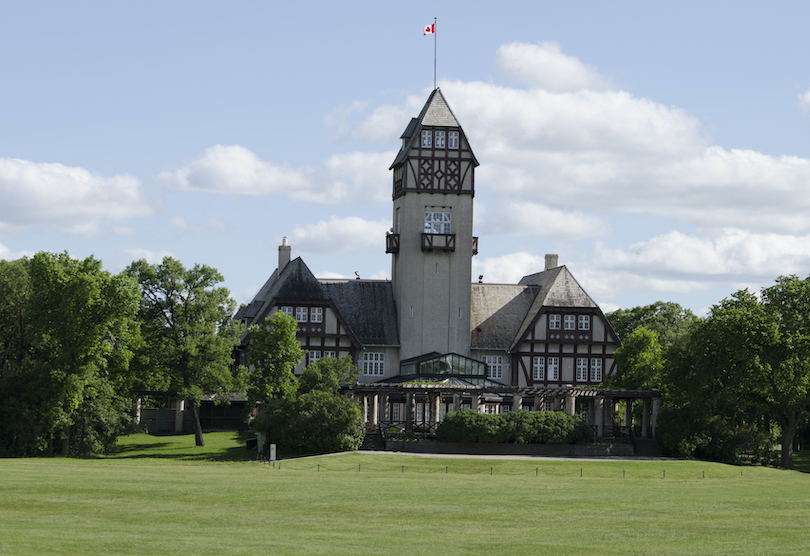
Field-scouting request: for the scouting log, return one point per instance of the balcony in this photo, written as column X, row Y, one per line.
column 392, row 243
column 438, row 242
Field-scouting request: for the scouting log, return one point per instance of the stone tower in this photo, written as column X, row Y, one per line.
column 431, row 239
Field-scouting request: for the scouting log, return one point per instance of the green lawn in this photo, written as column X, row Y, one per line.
column 161, row 495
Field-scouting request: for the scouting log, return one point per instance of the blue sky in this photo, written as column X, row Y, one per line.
column 663, row 151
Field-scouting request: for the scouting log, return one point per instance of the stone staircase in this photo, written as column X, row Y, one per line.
column 373, row 439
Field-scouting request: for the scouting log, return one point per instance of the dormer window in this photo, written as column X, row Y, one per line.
column 427, row 137
column 439, row 139
column 452, row 139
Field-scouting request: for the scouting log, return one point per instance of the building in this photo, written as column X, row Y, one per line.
column 429, row 340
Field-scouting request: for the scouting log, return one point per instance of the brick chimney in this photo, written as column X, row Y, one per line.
column 284, row 252
column 551, row 261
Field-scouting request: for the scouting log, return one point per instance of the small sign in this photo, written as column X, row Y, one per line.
column 272, row 452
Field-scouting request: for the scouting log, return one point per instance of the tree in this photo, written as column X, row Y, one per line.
column 669, row 320
column 316, row 418
column 82, row 326
column 748, row 363
column 188, row 331
column 273, row 353
column 639, row 362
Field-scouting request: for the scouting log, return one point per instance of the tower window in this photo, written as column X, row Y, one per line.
column 427, row 137
column 437, row 222
column 439, row 139
column 554, row 322
column 316, row 314
column 452, row 139
column 301, row 314
column 570, row 322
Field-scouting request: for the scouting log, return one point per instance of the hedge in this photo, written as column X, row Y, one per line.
column 517, row 427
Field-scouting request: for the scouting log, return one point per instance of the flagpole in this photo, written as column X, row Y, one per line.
column 435, row 40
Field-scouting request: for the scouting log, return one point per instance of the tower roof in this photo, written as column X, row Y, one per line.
column 435, row 113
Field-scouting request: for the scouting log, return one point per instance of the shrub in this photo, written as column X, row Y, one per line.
column 520, row 427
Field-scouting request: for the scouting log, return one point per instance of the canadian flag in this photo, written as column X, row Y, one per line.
column 430, row 29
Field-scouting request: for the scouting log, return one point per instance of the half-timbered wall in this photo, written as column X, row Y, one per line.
column 548, row 354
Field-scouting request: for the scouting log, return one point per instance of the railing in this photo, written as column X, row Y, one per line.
column 625, row 433
column 439, row 242
column 392, row 243
column 400, row 429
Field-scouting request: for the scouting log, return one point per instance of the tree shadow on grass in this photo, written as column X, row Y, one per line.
column 801, row 461
column 181, row 447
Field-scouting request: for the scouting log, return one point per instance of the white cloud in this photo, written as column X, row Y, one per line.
column 514, row 218
column 7, row 255
column 211, row 225
column 804, row 101
column 235, row 170
column 734, row 252
column 69, row 198
column 341, row 235
column 545, row 66
column 507, row 269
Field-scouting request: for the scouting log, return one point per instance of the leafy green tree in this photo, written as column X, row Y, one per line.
column 327, row 375
column 83, row 324
column 639, row 362
column 315, row 417
column 188, row 332
column 669, row 320
column 273, row 353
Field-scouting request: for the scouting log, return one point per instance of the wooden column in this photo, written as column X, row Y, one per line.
column 456, row 402
column 645, row 419
column 538, row 403
column 375, row 409
column 570, row 404
column 599, row 416
column 656, row 410
column 385, row 409
column 409, row 412
column 517, row 399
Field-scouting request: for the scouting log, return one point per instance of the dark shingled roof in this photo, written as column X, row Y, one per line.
column 368, row 308
column 496, row 313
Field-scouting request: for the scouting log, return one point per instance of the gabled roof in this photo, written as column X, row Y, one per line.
column 558, row 288
column 295, row 281
column 435, row 113
column 368, row 308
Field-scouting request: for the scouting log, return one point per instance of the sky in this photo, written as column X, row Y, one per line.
column 661, row 149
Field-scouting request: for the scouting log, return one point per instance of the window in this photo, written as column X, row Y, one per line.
column 596, row 370
column 582, row 369
column 539, row 368
column 494, row 366
column 554, row 322
column 426, row 139
column 437, row 222
column 287, row 311
column 452, row 139
column 373, row 364
column 316, row 314
column 584, row 322
column 329, row 354
column 314, row 356
column 439, row 139
column 553, row 368
column 301, row 314
column 570, row 322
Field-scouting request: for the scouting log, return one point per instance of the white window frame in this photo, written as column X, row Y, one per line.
column 584, row 322
column 373, row 364
column 316, row 314
column 554, row 322
column 313, row 357
column 288, row 311
column 553, row 368
column 582, row 369
column 329, row 354
column 569, row 322
column 494, row 365
column 596, row 370
column 427, row 138
column 452, row 140
column 438, row 222
column 439, row 137
column 539, row 368
column 301, row 314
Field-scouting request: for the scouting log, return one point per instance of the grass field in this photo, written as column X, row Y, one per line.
column 161, row 495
